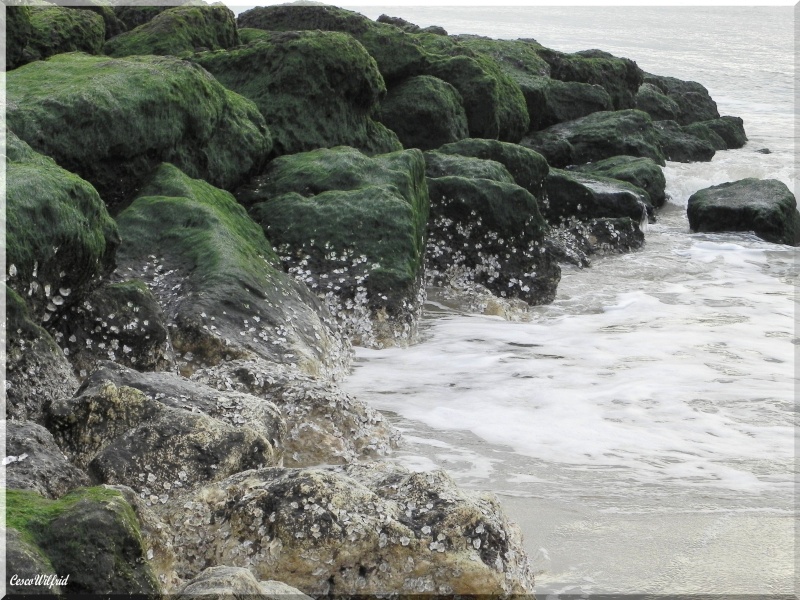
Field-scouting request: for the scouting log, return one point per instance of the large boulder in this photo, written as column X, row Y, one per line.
column 681, row 144
column 323, row 424
column 179, row 30
column 362, row 529
column 766, row 207
column 352, row 228
column 222, row 583
column 439, row 164
column 34, row 462
column 424, row 112
column 489, row 233
column 598, row 136
column 37, row 373
column 551, row 101
column 119, row 435
column 55, row 29
column 179, row 113
column 315, row 89
column 24, row 564
column 90, row 534
column 133, row 13
column 113, row 25
column 692, row 99
column 641, row 172
column 18, row 32
column 59, row 235
column 219, row 282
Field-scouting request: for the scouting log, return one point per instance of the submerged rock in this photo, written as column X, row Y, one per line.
column 352, row 228
column 218, row 280
column 179, row 114
column 766, row 207
column 220, row 583
column 316, row 89
column 644, row 173
column 362, row 529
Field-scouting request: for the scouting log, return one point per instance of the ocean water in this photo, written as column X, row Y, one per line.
column 640, row 429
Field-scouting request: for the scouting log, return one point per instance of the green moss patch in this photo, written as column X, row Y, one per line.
column 55, row 29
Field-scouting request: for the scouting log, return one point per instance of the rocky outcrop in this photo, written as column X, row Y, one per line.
column 352, row 228
column 598, row 136
column 316, row 89
column 692, row 99
column 323, row 424
column 641, row 172
column 766, row 207
column 424, row 112
column 178, row 114
column 219, row 583
column 361, row 529
column 178, row 31
column 34, row 462
column 219, row 282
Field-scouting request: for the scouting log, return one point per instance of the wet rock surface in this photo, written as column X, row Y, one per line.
column 640, row 172
column 681, row 144
column 575, row 242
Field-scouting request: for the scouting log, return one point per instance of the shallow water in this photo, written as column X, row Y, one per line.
column 640, row 429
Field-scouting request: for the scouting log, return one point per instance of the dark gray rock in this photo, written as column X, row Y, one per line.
column 641, row 172
column 693, row 100
column 766, row 207
column 651, row 100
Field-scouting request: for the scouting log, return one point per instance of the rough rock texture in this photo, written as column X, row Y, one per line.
column 353, row 229
column 40, row 466
column 693, row 101
column 362, row 529
column 55, row 29
column 113, row 25
column 424, row 112
column 528, row 168
column 324, row 425
column 580, row 196
column 650, row 99
column 314, row 88
column 598, row 136
column 226, row 582
column 410, row 27
column 766, row 207
column 215, row 277
column 641, row 172
column 60, row 238
column 575, row 242
column 177, row 113
column 37, row 373
column 117, row 321
column 438, row 164
column 26, row 561
column 489, row 233
column 620, row 77
column 702, row 131
column 134, row 13
column 680, row 145
column 730, row 129
column 234, row 408
column 551, row 101
column 121, row 436
column 179, row 30
column 18, row 32
column 92, row 534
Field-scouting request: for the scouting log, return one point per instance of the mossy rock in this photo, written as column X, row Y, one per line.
column 218, row 280
column 597, row 136
column 128, row 115
column 424, row 112
column 353, row 229
column 704, row 132
column 528, row 168
column 438, row 164
column 641, row 172
column 730, row 129
column 410, row 27
column 25, row 561
column 398, row 54
column 693, row 100
column 55, row 29
column 112, row 23
column 59, row 235
column 551, row 101
column 18, row 32
column 248, row 35
column 314, row 88
column 179, row 31
column 680, row 144
column 651, row 100
column 92, row 534
column 766, row 207
column 134, row 13
column 37, row 373
column 620, row 77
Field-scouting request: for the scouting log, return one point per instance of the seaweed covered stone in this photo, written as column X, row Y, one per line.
column 18, row 32
column 439, row 164
column 424, row 112
column 644, row 173
column 128, row 115
column 219, row 282
column 353, row 229
column 56, row 29
column 683, row 144
column 766, row 207
column 316, row 89
column 178, row 31
column 691, row 98
column 651, row 100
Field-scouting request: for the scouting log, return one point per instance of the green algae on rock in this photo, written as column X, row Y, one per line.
column 55, row 29
column 352, row 228
column 314, row 88
column 215, row 277
column 128, row 115
column 60, row 238
column 692, row 99
column 92, row 534
column 641, row 172
column 681, row 144
column 651, row 100
column 439, row 164
column 178, row 31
